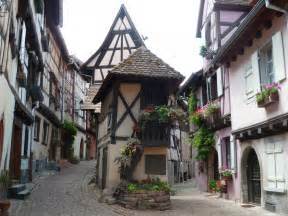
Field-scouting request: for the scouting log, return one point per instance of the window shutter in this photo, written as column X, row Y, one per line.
column 280, row 170
column 219, row 150
column 278, row 57
column 233, row 153
column 270, row 161
column 219, row 82
column 256, row 72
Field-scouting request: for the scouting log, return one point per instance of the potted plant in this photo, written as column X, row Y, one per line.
column 213, row 186
column 268, row 95
column 5, row 183
column 226, row 174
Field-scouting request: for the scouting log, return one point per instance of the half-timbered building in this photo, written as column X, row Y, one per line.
column 48, row 115
column 139, row 81
column 121, row 40
column 254, row 56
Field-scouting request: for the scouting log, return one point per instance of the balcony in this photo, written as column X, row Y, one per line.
column 155, row 134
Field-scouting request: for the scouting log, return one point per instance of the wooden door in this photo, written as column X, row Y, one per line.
column 104, row 167
column 1, row 138
column 81, row 149
column 254, row 178
column 15, row 158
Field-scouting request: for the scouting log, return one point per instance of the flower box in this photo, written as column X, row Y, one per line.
column 268, row 95
column 273, row 98
column 227, row 178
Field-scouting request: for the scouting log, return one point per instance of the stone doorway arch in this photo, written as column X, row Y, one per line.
column 251, row 177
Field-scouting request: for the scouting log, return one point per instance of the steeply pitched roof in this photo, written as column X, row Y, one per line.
column 141, row 64
column 145, row 64
column 122, row 34
column 121, row 40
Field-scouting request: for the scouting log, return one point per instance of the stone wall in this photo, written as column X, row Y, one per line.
column 146, row 200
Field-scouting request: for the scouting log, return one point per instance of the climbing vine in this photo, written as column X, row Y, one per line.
column 203, row 141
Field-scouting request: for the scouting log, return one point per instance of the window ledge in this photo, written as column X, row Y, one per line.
column 275, row 190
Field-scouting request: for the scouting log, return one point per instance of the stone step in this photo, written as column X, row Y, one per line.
column 23, row 194
column 16, row 188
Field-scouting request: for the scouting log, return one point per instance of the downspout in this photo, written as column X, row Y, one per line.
column 269, row 5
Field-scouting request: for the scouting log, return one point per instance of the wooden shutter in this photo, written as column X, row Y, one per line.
column 256, row 72
column 219, row 82
column 219, row 150
column 278, row 57
column 155, row 164
column 233, row 153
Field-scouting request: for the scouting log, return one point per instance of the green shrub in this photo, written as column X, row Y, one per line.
column 151, row 185
column 196, row 119
column 213, row 185
column 203, row 141
column 192, row 103
column 69, row 127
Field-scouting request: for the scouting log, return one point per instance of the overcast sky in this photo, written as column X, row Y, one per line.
column 170, row 26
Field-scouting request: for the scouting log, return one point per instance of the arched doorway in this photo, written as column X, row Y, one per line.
column 213, row 163
column 251, row 177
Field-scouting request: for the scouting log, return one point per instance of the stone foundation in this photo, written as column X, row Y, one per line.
column 146, row 200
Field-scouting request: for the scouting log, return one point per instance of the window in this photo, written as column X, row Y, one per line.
column 212, row 87
column 45, row 133
column 249, row 80
column 266, row 64
column 109, row 119
column 208, row 33
column 227, row 152
column 153, row 94
column 155, row 164
column 37, row 123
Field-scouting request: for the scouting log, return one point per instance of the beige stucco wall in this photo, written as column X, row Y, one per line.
column 41, row 151
column 103, row 116
column 7, row 101
column 129, row 92
column 77, row 142
column 7, row 104
column 246, row 113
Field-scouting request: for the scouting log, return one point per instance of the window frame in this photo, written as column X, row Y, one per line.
column 157, row 170
column 264, row 60
column 37, row 124
column 45, row 135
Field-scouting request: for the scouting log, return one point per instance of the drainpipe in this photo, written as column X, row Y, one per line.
column 274, row 7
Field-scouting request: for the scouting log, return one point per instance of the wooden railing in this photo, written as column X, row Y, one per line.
column 155, row 134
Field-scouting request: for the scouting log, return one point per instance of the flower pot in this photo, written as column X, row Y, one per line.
column 227, row 178
column 273, row 98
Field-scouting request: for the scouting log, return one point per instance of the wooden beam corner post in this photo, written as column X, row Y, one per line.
column 114, row 111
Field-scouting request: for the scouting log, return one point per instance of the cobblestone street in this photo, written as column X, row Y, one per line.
column 68, row 194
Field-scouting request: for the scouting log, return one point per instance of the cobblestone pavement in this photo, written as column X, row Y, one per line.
column 68, row 194
column 64, row 194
